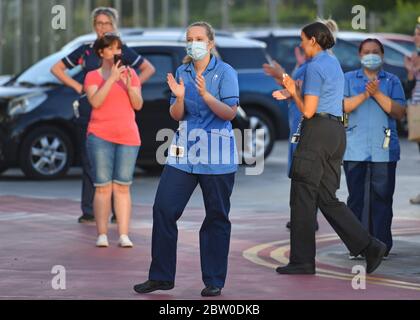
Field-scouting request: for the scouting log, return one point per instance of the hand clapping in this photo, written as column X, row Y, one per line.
column 201, row 84
column 177, row 89
column 372, row 87
column 290, row 85
column 274, row 70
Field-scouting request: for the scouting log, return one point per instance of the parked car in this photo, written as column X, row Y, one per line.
column 282, row 42
column 403, row 40
column 37, row 132
column 4, row 78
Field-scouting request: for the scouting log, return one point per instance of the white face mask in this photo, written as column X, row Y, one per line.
column 197, row 50
column 372, row 61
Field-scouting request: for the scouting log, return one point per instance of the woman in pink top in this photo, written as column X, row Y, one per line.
column 113, row 141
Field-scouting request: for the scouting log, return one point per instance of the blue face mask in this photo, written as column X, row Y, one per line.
column 197, row 50
column 372, row 61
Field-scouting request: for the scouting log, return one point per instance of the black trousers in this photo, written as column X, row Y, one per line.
column 316, row 172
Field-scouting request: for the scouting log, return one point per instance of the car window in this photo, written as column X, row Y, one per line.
column 393, row 57
column 409, row 45
column 244, row 58
column 348, row 54
column 163, row 64
column 284, row 51
column 39, row 73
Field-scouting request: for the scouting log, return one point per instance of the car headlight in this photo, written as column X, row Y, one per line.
column 26, row 103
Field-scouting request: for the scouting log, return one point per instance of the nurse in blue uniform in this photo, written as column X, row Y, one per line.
column 316, row 166
column 295, row 116
column 205, row 98
column 374, row 100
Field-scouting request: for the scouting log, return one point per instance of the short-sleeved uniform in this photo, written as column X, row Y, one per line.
column 370, row 161
column 316, row 167
column 221, row 156
column 209, row 166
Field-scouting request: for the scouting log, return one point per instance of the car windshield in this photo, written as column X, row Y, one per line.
column 39, row 74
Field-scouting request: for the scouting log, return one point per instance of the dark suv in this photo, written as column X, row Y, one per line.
column 37, row 132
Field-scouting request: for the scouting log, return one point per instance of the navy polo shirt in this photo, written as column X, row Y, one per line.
column 86, row 57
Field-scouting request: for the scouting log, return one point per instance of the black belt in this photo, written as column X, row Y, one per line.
column 328, row 116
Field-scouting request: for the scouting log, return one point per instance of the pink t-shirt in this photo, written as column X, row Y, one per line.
column 115, row 119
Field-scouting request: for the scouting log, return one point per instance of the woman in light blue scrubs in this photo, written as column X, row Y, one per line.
column 374, row 100
column 205, row 98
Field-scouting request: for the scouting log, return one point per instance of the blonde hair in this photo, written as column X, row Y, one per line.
column 331, row 25
column 111, row 13
column 211, row 34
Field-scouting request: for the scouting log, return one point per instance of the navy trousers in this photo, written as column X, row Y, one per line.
column 371, row 187
column 88, row 189
column 174, row 191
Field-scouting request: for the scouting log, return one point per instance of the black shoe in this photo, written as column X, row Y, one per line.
column 86, row 218
column 306, row 268
column 374, row 253
column 114, row 219
column 152, row 285
column 289, row 225
column 386, row 255
column 211, row 291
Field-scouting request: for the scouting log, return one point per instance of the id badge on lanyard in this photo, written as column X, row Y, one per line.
column 176, row 150
column 76, row 106
column 296, row 137
column 387, row 139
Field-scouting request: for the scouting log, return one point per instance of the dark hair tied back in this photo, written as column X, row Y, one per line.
column 321, row 33
column 380, row 45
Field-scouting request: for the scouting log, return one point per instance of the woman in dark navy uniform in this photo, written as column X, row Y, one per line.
column 105, row 20
column 316, row 167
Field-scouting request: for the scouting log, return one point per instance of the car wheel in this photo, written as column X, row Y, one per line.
column 46, row 153
column 256, row 145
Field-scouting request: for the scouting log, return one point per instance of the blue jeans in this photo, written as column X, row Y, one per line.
column 111, row 162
